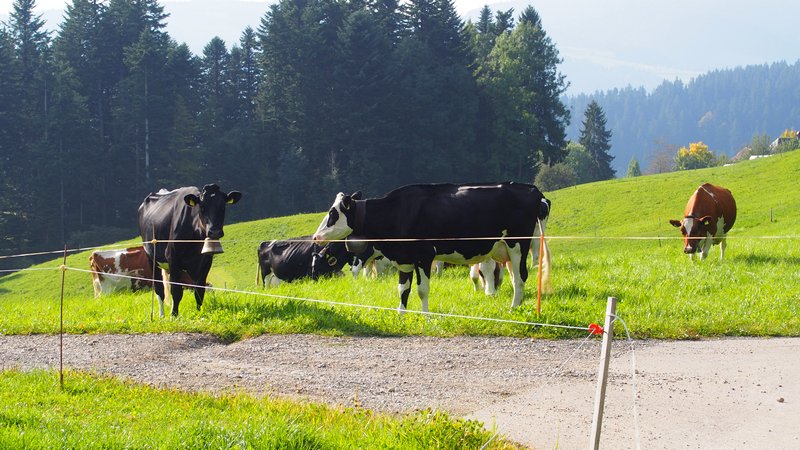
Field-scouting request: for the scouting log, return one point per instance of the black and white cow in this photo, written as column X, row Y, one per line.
column 179, row 221
column 461, row 224
column 293, row 259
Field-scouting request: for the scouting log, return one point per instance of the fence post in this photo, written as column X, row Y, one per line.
column 61, row 329
column 602, row 373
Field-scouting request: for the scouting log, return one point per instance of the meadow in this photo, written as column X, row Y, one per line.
column 608, row 239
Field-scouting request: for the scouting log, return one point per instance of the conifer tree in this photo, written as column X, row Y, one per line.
column 595, row 138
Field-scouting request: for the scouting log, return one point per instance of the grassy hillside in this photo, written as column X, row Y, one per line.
column 595, row 233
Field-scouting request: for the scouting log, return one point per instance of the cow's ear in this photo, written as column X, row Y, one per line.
column 233, row 197
column 706, row 220
column 191, row 200
column 356, row 195
column 675, row 223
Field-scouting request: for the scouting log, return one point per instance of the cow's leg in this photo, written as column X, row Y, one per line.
column 722, row 244
column 475, row 275
column 707, row 243
column 200, row 287
column 490, row 268
column 423, row 284
column 176, row 290
column 166, row 297
column 519, row 271
column 405, row 275
column 159, row 282
column 98, row 288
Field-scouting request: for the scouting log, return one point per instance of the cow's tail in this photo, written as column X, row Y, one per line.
column 543, row 258
column 259, row 279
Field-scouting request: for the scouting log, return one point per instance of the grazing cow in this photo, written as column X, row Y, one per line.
column 116, row 270
column 709, row 215
column 461, row 224
column 180, row 221
column 489, row 273
column 298, row 258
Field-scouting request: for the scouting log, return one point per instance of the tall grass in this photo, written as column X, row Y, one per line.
column 755, row 291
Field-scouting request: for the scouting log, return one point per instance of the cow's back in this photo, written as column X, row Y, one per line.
column 287, row 259
column 478, row 211
column 727, row 204
column 164, row 216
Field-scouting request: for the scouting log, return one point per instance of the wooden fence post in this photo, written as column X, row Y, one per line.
column 602, row 373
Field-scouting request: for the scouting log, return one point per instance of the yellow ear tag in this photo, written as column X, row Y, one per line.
column 192, row 203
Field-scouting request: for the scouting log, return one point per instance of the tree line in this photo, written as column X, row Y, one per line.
column 726, row 109
column 324, row 96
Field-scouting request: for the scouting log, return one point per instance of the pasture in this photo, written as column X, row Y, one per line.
column 608, row 239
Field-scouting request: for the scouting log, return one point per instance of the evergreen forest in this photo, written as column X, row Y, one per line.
column 724, row 109
column 325, row 96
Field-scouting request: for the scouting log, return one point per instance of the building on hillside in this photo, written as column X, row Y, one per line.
column 787, row 137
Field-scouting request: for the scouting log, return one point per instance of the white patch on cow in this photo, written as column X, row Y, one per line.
column 688, row 223
column 401, row 288
column 488, row 268
column 356, row 268
column 339, row 229
column 706, row 244
column 721, row 237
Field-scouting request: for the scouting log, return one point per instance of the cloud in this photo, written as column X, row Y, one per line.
column 608, row 60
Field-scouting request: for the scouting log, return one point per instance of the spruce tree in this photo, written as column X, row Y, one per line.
column 595, row 138
column 633, row 168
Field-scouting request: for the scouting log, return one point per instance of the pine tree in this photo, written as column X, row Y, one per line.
column 633, row 168
column 596, row 139
column 523, row 88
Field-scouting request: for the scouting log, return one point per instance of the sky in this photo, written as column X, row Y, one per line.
column 604, row 44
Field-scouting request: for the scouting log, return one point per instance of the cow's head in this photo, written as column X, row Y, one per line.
column 331, row 258
column 340, row 220
column 211, row 204
column 694, row 230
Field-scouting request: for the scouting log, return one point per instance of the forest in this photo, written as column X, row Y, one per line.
column 325, row 96
column 725, row 109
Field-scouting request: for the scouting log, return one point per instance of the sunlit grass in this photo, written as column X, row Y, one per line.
column 99, row 412
column 753, row 292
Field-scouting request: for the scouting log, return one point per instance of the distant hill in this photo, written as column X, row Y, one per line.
column 722, row 108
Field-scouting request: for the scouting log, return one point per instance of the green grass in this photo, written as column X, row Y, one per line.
column 99, row 412
column 755, row 291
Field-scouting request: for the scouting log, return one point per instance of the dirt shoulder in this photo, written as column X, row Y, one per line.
column 729, row 393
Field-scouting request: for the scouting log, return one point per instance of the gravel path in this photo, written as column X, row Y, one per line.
column 732, row 393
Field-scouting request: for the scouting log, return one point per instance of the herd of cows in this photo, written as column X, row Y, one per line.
column 486, row 226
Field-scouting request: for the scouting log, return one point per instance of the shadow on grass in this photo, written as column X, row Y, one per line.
column 279, row 314
column 776, row 259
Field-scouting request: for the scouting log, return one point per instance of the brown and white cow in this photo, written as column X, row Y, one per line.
column 709, row 215
column 115, row 270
